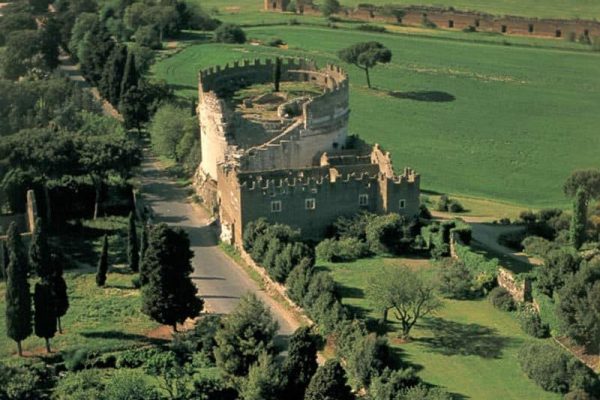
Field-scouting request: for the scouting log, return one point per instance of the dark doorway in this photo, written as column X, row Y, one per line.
column 450, row 24
column 503, row 29
column 530, row 28
column 477, row 23
column 558, row 33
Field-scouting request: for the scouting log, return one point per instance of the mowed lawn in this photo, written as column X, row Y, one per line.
column 586, row 9
column 468, row 347
column 484, row 120
column 102, row 319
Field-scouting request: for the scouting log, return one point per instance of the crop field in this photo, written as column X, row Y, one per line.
column 479, row 119
column 468, row 347
column 585, row 9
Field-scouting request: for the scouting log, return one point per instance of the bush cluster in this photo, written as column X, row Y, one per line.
column 371, row 28
column 230, row 33
column 501, row 299
column 447, row 204
column 437, row 236
column 455, row 280
column 343, row 249
column 532, row 324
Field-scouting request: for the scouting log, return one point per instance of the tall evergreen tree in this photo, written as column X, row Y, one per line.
column 112, row 76
column 102, row 263
column 265, row 380
column 133, row 254
column 45, row 312
column 18, row 298
column 3, row 259
column 94, row 51
column 169, row 296
column 131, row 76
column 59, row 289
column 301, row 363
column 329, row 383
column 579, row 218
column 143, row 242
column 39, row 252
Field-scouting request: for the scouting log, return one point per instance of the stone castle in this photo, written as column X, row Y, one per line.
column 285, row 154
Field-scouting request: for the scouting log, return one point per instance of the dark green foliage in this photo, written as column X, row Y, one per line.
column 365, row 55
column 371, row 28
column 555, row 371
column 3, row 260
column 171, row 375
column 385, row 234
column 558, row 266
column 277, row 74
column 455, row 280
column 200, row 339
column 246, row 332
column 578, row 308
column 265, row 380
column 169, row 295
column 230, row 33
column 330, row 7
column 442, row 204
column 501, row 299
column 133, row 108
column 143, row 242
column 39, row 252
column 370, row 356
column 50, row 41
column 133, row 254
column 130, row 385
column 213, row 389
column 423, row 392
column 537, row 246
column 329, row 383
column 355, row 227
column 148, row 36
column 390, row 384
column 447, row 204
column 579, row 218
column 343, row 249
column 532, row 324
column 588, row 180
column 26, row 381
column 102, row 268
column 15, row 21
column 59, row 288
column 23, row 55
column 136, row 358
column 18, row 298
column 112, row 76
column 322, row 303
column 301, row 363
column 131, row 76
column 547, row 223
column 253, row 231
column 94, row 50
column 45, row 312
column 299, row 279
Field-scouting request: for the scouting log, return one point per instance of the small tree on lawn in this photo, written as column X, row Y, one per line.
column 245, row 333
column 329, row 383
column 579, row 219
column 133, row 254
column 330, row 7
column 59, row 289
column 39, row 251
column 18, row 298
column 102, row 263
column 407, row 293
column 366, row 55
column 45, row 312
column 169, row 296
column 301, row 363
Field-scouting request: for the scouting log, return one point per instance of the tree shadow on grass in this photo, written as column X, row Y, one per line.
column 116, row 335
column 453, row 338
column 424, row 95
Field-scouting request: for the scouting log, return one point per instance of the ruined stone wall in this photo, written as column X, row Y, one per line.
column 520, row 290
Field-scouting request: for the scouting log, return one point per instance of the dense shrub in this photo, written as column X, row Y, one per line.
column 512, row 240
column 447, row 204
column 84, row 385
column 275, row 42
column 371, row 28
column 26, row 381
column 501, row 299
column 230, row 33
column 213, row 388
column 344, row 249
column 556, row 371
column 536, row 246
column 77, row 359
column 135, row 358
column 455, row 206
column 199, row 341
column 532, row 324
column 386, row 234
column 298, row 281
column 355, row 226
column 455, row 280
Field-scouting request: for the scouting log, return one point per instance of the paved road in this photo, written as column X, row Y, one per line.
column 220, row 281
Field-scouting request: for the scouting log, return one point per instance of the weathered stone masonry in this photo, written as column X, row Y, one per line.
column 301, row 175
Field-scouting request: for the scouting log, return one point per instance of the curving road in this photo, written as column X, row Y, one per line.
column 220, row 281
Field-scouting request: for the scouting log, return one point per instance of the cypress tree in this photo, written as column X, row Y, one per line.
column 329, row 383
column 3, row 259
column 45, row 312
column 131, row 75
column 578, row 220
column 59, row 289
column 144, row 241
column 18, row 298
column 94, row 51
column 102, row 264
column 169, row 295
column 133, row 255
column 301, row 363
column 277, row 74
column 112, row 76
column 39, row 252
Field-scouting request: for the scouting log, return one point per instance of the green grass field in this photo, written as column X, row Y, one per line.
column 468, row 347
column 479, row 119
column 586, row 9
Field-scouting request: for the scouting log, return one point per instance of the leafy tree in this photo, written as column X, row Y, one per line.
column 265, row 380
column 588, row 180
column 173, row 377
column 579, row 218
column 102, row 268
column 59, row 288
column 329, row 383
column 169, row 296
column 168, row 127
column 371, row 354
column 366, row 55
column 39, row 252
column 45, row 312
column 558, row 266
column 18, row 298
column 246, row 332
column 94, row 51
column 131, row 76
column 112, row 76
column 391, row 384
column 230, row 33
column 385, row 234
column 330, row 7
column 407, row 293
column 81, row 26
column 133, row 255
column 299, row 280
column 22, row 55
column 50, row 40
column 455, row 280
column 301, row 363
column 127, row 384
column 15, row 21
column 148, row 36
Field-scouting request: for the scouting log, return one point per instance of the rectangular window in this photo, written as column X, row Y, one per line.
column 310, row 204
column 402, row 204
column 363, row 199
column 276, row 206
